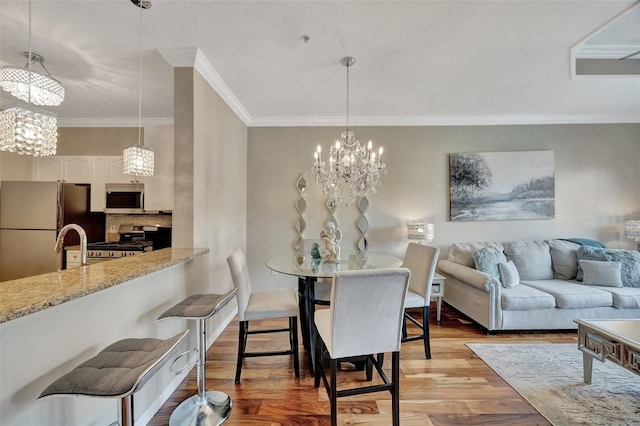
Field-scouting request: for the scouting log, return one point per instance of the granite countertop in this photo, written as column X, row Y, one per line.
column 26, row 296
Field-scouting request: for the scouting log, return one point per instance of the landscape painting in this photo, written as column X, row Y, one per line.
column 502, row 185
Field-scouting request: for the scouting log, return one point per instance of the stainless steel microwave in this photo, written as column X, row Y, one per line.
column 124, row 198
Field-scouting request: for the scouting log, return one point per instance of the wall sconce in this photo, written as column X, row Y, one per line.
column 420, row 233
column 632, row 231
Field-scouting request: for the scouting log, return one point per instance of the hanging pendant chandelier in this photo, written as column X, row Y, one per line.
column 138, row 160
column 353, row 168
column 31, row 86
column 25, row 129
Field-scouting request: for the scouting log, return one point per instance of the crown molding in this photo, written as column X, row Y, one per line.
column 606, row 51
column 488, row 120
column 193, row 57
column 493, row 120
column 113, row 122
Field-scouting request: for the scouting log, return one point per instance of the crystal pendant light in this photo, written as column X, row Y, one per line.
column 45, row 90
column 27, row 130
column 353, row 168
column 138, row 159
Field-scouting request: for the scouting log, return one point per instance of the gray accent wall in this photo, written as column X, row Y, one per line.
column 597, row 173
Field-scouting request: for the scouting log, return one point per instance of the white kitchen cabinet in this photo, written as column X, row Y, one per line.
column 48, row 169
column 115, row 172
column 99, row 177
column 77, row 169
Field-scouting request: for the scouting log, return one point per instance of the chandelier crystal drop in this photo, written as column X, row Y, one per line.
column 45, row 90
column 27, row 130
column 138, row 160
column 353, row 168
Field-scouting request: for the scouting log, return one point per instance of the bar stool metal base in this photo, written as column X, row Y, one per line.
column 195, row 411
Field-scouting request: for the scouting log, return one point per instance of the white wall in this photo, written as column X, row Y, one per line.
column 220, row 181
column 210, row 181
column 597, row 171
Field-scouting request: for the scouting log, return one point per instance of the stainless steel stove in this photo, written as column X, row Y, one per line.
column 97, row 252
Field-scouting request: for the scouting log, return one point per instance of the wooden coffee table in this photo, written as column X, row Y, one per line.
column 615, row 340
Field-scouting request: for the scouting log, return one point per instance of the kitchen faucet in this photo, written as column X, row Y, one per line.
column 83, row 241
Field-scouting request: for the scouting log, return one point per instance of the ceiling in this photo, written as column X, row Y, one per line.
column 417, row 62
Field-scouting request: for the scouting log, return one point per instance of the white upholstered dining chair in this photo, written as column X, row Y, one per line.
column 260, row 305
column 421, row 261
column 364, row 318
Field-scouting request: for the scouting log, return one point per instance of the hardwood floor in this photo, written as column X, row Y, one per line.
column 453, row 388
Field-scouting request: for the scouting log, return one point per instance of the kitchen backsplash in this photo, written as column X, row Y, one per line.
column 115, row 220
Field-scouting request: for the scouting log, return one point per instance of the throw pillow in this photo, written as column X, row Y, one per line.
column 563, row 258
column 487, row 259
column 462, row 253
column 629, row 262
column 509, row 274
column 532, row 258
column 596, row 272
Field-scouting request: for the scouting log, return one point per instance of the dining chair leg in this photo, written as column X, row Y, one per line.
column 318, row 368
column 404, row 327
column 313, row 333
column 369, row 368
column 425, row 332
column 243, row 329
column 333, row 398
column 395, row 393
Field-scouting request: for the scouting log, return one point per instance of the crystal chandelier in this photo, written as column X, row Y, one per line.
column 353, row 169
column 31, row 86
column 27, row 130
column 138, row 159
column 632, row 231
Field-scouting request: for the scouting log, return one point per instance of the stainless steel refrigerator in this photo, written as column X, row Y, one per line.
column 31, row 215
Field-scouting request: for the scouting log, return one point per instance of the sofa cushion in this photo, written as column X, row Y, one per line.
column 563, row 259
column 532, row 258
column 508, row 274
column 597, row 272
column 629, row 260
column 572, row 295
column 487, row 259
column 462, row 253
column 525, row 298
column 624, row 297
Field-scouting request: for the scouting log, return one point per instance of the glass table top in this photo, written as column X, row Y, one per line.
column 350, row 260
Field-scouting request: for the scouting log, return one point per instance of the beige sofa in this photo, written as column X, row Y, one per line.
column 547, row 296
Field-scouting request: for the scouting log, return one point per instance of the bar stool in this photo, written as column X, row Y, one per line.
column 118, row 371
column 205, row 408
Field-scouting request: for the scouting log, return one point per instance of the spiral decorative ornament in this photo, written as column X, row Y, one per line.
column 363, row 227
column 301, row 224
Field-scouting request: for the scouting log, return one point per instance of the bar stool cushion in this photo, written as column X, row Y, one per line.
column 119, row 369
column 199, row 306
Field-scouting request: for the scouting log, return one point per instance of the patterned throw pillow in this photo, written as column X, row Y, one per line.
column 509, row 274
column 487, row 259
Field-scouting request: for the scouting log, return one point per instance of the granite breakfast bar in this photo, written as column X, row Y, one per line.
column 52, row 322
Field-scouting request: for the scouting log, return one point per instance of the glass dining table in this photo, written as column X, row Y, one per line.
column 309, row 270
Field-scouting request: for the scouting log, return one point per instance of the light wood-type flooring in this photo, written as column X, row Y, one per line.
column 455, row 387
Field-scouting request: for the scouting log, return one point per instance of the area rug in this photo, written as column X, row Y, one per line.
column 549, row 377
